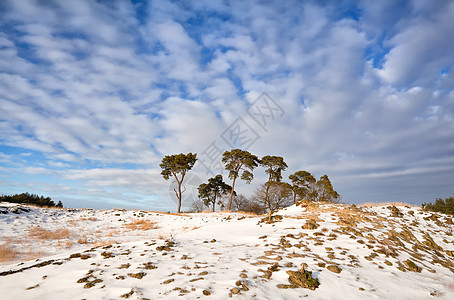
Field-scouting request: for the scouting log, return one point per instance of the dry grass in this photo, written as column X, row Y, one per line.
column 44, row 207
column 187, row 228
column 30, row 255
column 375, row 204
column 72, row 223
column 104, row 243
column 162, row 236
column 88, row 219
column 112, row 233
column 168, row 213
column 170, row 236
column 84, row 241
column 142, row 224
column 7, row 252
column 248, row 213
column 43, row 234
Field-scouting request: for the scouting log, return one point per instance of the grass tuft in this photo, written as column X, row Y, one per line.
column 142, row 224
column 43, row 234
column 7, row 252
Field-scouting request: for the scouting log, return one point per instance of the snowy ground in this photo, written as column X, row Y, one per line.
column 116, row 254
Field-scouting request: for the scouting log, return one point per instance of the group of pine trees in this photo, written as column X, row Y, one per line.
column 240, row 164
column 26, row 198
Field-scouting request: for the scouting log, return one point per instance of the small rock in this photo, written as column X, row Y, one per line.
column 283, row 286
column 206, row 292
column 32, row 287
column 137, row 275
column 274, row 267
column 235, row 291
column 412, row 266
column 168, row 281
column 127, row 295
column 334, row 269
column 310, row 224
column 149, row 266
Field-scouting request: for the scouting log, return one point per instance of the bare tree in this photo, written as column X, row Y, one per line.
column 279, row 195
column 197, row 206
column 239, row 202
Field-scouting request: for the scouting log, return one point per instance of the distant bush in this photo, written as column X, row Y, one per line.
column 441, row 205
column 26, row 198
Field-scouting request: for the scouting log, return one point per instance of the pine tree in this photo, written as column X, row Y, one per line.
column 303, row 186
column 274, row 165
column 238, row 160
column 177, row 166
column 211, row 191
column 326, row 191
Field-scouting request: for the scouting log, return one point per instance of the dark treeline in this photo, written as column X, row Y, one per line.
column 441, row 205
column 27, row 198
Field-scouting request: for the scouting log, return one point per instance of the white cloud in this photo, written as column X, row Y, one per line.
column 421, row 48
column 107, row 84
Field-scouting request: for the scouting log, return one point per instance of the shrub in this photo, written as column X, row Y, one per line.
column 445, row 206
column 303, row 278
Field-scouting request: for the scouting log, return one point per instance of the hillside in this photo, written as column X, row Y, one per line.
column 378, row 252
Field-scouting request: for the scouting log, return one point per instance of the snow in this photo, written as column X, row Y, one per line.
column 213, row 251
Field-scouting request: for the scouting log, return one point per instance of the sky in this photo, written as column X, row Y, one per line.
column 93, row 94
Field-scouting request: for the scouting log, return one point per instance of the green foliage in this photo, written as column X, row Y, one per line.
column 307, row 188
column 325, row 190
column 303, row 186
column 274, row 165
column 177, row 165
column 209, row 192
column 445, row 206
column 238, row 160
column 26, row 198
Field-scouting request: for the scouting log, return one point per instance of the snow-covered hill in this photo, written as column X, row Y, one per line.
column 382, row 252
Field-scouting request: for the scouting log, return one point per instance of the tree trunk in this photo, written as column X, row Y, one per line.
column 266, row 196
column 294, row 198
column 178, row 193
column 231, row 194
column 179, row 196
column 214, row 201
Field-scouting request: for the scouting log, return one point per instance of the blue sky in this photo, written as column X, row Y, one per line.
column 94, row 93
